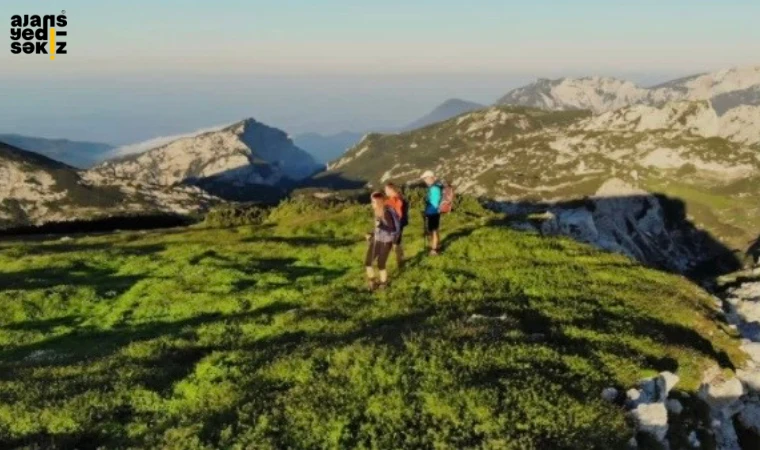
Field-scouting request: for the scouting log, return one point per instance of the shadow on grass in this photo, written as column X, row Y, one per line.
column 304, row 241
column 120, row 249
column 79, row 273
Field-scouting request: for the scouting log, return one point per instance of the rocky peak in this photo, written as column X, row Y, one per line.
column 244, row 154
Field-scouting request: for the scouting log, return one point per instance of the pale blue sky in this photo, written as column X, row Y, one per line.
column 138, row 68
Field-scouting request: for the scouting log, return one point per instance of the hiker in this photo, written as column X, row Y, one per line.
column 381, row 239
column 396, row 200
column 432, row 213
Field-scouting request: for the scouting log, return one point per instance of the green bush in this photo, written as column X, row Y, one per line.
column 231, row 215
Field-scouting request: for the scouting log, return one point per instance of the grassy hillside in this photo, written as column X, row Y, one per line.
column 264, row 337
column 517, row 154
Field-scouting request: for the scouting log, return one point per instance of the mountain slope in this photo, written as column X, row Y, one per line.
column 74, row 153
column 247, row 154
column 35, row 189
column 264, row 337
column 514, row 155
column 446, row 110
column 598, row 94
column 325, row 148
column 728, row 88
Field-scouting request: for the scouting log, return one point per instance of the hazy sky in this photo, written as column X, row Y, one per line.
column 138, row 69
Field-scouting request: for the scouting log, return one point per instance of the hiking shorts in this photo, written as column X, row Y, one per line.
column 399, row 237
column 432, row 223
column 378, row 251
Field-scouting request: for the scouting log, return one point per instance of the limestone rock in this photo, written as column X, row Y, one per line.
column 750, row 378
column 609, row 394
column 720, row 394
column 652, row 418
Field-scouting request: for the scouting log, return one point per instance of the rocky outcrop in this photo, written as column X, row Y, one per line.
column 242, row 155
column 35, row 190
column 623, row 219
column 728, row 88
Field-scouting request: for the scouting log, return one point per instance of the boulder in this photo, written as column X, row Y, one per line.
column 674, row 406
column 721, row 394
column 609, row 394
column 652, row 418
column 750, row 379
column 665, row 383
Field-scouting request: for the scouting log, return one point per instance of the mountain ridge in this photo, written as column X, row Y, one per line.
column 80, row 154
column 604, row 94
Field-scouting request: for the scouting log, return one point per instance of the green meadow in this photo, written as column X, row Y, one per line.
column 264, row 336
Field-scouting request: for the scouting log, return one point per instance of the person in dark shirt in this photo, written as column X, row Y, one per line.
column 380, row 241
column 395, row 199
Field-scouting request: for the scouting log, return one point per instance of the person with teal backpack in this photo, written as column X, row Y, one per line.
column 439, row 200
column 380, row 240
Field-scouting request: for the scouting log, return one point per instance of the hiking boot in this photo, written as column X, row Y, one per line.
column 382, row 286
column 372, row 285
column 434, row 252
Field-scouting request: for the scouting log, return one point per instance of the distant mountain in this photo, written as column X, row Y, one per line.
column 325, row 148
column 726, row 88
column 445, row 111
column 237, row 162
column 35, row 189
column 74, row 153
column 150, row 144
column 522, row 156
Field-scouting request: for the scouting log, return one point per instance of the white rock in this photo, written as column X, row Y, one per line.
column 752, row 349
column 750, row 378
column 666, row 381
column 720, row 394
column 609, row 394
column 633, row 396
column 674, row 406
column 652, row 418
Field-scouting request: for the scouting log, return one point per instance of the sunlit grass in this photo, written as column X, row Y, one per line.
column 264, row 337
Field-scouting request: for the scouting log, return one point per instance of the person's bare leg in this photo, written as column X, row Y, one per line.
column 434, row 241
column 383, row 276
column 371, row 277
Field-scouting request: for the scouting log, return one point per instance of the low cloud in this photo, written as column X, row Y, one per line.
column 144, row 146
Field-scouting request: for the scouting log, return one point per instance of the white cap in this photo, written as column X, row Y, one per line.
column 428, row 174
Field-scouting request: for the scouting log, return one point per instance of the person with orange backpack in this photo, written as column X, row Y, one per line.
column 439, row 200
column 395, row 199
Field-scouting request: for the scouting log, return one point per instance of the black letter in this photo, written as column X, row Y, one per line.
column 16, row 21
column 49, row 21
column 15, row 34
column 28, row 48
column 41, row 48
column 36, row 21
column 61, row 21
column 16, row 48
column 61, row 48
column 27, row 34
column 41, row 34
